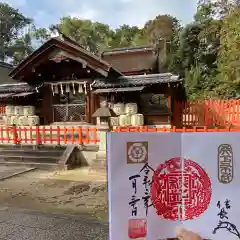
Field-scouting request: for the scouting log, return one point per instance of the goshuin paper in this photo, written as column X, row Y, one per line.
column 160, row 181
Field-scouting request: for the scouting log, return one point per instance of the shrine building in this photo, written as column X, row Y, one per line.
column 67, row 84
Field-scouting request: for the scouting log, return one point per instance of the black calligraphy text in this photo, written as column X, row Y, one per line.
column 134, row 200
column 146, row 183
column 224, row 223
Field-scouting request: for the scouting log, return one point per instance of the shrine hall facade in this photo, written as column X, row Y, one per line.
column 66, row 83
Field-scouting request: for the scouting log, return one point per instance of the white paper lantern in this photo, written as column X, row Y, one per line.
column 137, row 120
column 119, row 108
column 131, row 108
column 14, row 120
column 18, row 110
column 22, row 121
column 33, row 120
column 28, row 110
column 114, row 121
column 10, row 110
column 124, row 120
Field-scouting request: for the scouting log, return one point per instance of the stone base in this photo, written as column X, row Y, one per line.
column 101, row 155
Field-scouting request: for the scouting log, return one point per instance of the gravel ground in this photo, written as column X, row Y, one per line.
column 16, row 224
column 77, row 192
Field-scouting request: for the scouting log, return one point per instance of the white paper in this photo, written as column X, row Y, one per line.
column 197, row 154
column 203, row 149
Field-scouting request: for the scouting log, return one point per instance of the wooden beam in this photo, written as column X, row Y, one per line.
column 85, row 64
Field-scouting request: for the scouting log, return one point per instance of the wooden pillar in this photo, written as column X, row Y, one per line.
column 47, row 102
column 88, row 104
column 93, row 104
column 170, row 95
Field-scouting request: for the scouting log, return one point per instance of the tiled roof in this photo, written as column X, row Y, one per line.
column 5, row 69
column 124, row 50
column 137, row 80
column 16, row 88
column 139, row 59
column 69, row 46
column 120, row 89
column 6, row 65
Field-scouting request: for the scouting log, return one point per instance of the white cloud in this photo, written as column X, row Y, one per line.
column 112, row 12
column 16, row 3
column 132, row 12
column 138, row 12
column 88, row 14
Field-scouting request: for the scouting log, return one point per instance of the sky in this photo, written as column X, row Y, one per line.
column 112, row 12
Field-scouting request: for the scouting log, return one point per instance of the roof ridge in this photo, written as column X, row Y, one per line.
column 127, row 49
column 7, row 65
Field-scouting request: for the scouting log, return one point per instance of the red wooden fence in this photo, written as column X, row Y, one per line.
column 211, row 113
column 175, row 129
column 62, row 136
column 2, row 109
column 48, row 135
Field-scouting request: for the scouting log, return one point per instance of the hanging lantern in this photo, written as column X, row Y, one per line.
column 80, row 90
column 85, row 88
column 73, row 86
column 56, row 89
column 112, row 98
column 67, row 88
column 61, row 87
column 52, row 89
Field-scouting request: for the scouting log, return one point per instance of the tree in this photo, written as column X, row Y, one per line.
column 42, row 34
column 93, row 36
column 229, row 56
column 162, row 27
column 125, row 36
column 196, row 57
column 12, row 22
column 21, row 48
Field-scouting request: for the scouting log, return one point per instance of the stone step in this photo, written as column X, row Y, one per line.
column 99, row 166
column 89, row 148
column 32, row 147
column 98, row 162
column 43, row 166
column 96, row 170
column 30, row 152
column 26, row 158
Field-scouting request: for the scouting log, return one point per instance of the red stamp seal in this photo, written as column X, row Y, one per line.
column 137, row 228
column 180, row 192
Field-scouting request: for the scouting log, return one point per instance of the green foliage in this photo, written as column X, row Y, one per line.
column 41, row 34
column 229, row 55
column 12, row 22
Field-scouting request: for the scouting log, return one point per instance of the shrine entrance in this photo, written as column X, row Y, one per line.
column 69, row 102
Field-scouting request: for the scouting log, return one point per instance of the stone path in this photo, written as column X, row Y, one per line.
column 17, row 224
column 10, row 171
column 76, row 192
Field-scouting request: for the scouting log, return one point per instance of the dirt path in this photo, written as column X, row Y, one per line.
column 75, row 192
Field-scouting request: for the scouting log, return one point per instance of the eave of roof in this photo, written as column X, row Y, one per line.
column 75, row 49
column 17, row 88
column 117, row 51
column 6, row 65
column 138, row 80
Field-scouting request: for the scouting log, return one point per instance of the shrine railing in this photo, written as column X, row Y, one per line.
column 211, row 113
column 2, row 109
column 175, row 129
column 48, row 135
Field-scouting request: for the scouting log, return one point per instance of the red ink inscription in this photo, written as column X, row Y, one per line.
column 180, row 193
column 137, row 228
